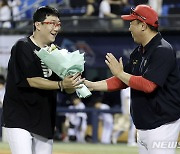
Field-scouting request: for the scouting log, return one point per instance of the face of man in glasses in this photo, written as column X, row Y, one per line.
column 48, row 29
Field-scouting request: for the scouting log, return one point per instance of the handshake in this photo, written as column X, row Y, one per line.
column 64, row 63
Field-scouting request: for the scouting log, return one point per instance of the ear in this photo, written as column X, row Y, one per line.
column 144, row 26
column 37, row 25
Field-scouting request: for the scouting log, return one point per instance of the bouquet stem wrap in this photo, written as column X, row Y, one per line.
column 64, row 63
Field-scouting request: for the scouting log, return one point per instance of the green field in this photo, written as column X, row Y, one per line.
column 76, row 148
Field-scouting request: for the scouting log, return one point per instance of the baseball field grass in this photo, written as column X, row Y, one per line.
column 87, row 148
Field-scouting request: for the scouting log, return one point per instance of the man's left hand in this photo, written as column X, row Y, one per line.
column 114, row 65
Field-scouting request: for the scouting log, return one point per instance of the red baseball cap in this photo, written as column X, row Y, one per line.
column 143, row 13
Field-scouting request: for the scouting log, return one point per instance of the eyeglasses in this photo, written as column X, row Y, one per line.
column 136, row 14
column 53, row 24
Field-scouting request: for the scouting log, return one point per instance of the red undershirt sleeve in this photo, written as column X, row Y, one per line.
column 115, row 83
column 135, row 82
column 142, row 84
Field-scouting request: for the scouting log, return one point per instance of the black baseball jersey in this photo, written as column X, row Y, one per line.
column 157, row 64
column 25, row 107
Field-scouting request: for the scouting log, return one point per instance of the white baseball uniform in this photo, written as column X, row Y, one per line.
column 79, row 127
column 107, row 120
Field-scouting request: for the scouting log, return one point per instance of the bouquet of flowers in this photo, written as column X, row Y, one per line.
column 64, row 63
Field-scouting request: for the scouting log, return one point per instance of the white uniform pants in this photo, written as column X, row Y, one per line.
column 106, row 132
column 24, row 142
column 80, row 134
column 161, row 140
column 132, row 133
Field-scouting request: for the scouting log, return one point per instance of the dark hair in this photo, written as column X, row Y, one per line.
column 42, row 12
column 4, row 3
column 155, row 29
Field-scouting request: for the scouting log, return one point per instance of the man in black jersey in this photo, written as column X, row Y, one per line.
column 153, row 75
column 29, row 105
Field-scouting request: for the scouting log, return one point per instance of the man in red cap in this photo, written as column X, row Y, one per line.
column 154, row 77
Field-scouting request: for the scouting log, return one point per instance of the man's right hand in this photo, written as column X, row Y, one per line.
column 89, row 85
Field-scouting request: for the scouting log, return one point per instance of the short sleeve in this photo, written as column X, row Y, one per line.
column 162, row 62
column 25, row 64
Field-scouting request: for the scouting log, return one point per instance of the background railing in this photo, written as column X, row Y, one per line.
column 76, row 24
